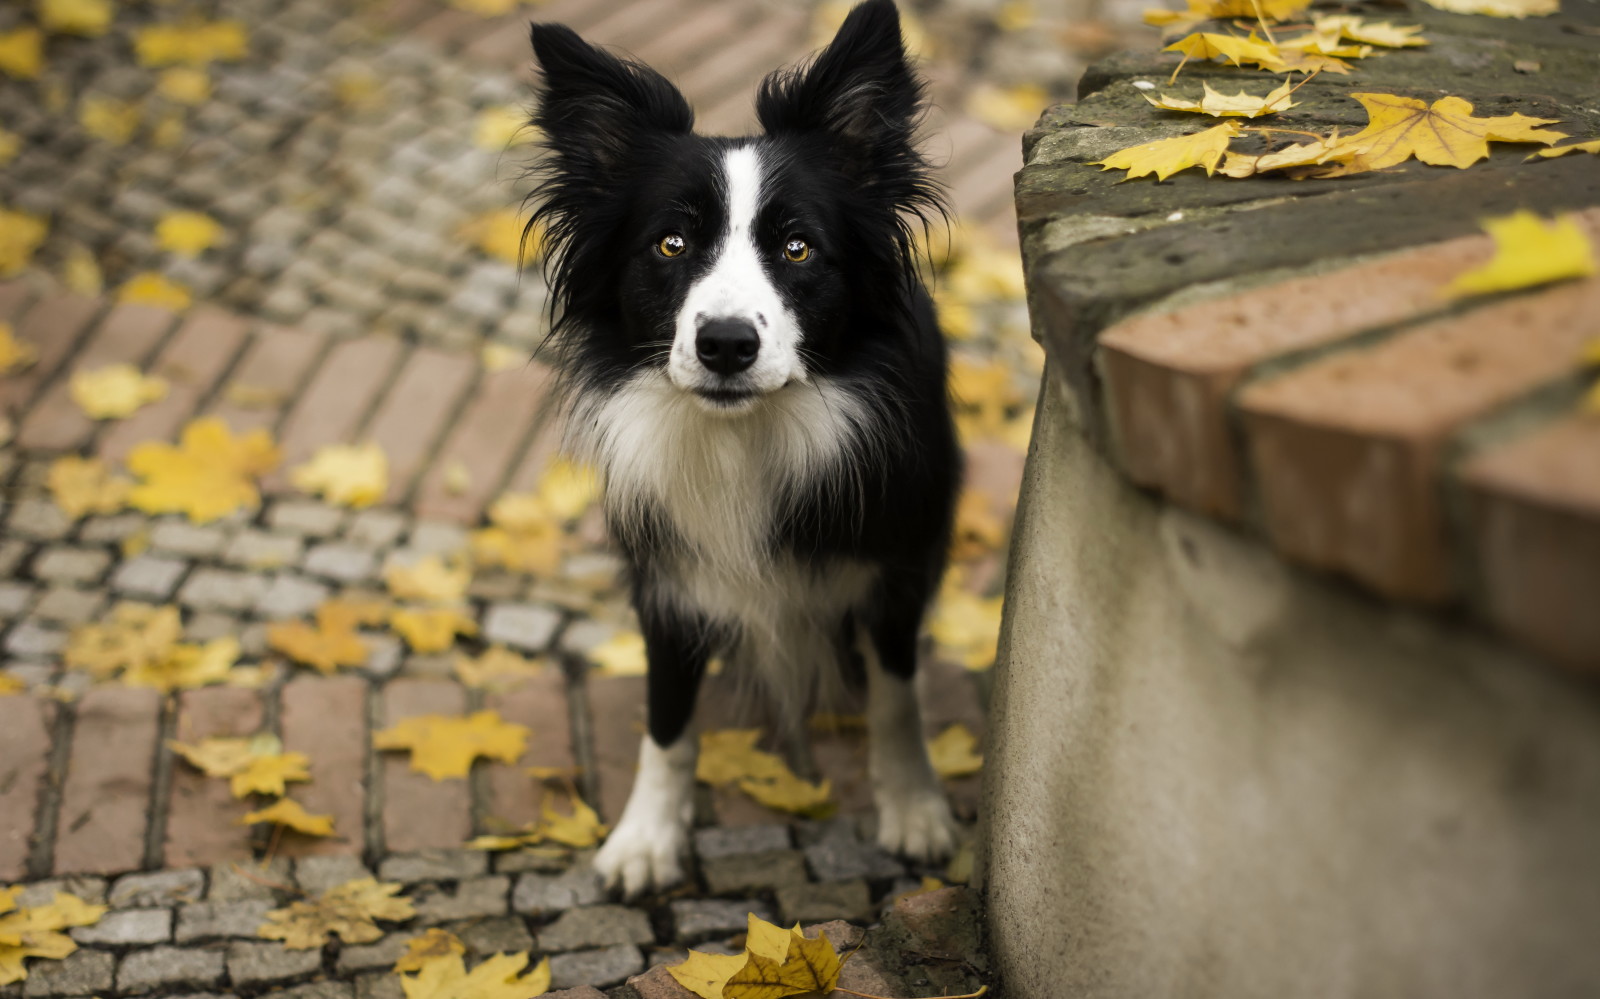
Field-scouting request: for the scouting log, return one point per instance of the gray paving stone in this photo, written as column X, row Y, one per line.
column 209, row 920
column 379, row 986
column 29, row 639
column 596, row 926
column 221, row 589
column 290, row 595
column 434, row 865
column 90, row 889
column 840, row 855
column 538, row 894
column 15, row 598
column 209, row 625
column 434, row 537
column 128, row 926
column 818, row 903
column 251, row 963
column 104, row 530
column 28, row 673
column 165, row 968
column 522, row 861
column 69, row 605
column 599, row 968
column 71, row 565
column 229, row 883
column 316, row 875
column 38, row 518
column 696, row 919
column 181, row 537
column 521, row 626
column 501, row 935
column 746, row 872
column 728, row 841
column 256, row 549
column 339, row 561
column 474, row 898
column 384, row 653
column 12, row 552
column 81, row 973
column 150, row 576
column 157, row 889
column 305, row 517
column 319, row 990
column 376, row 528
column 381, row 954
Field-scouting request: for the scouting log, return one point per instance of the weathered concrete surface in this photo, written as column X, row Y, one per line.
column 1215, row 776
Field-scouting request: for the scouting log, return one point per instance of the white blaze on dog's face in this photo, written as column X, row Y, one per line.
column 735, row 337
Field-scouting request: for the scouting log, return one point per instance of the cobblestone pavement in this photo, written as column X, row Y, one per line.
column 340, row 159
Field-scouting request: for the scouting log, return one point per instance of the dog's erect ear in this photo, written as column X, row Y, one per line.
column 592, row 104
column 860, row 90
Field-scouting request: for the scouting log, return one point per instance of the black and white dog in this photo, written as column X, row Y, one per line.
column 751, row 361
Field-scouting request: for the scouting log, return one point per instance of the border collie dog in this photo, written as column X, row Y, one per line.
column 749, row 357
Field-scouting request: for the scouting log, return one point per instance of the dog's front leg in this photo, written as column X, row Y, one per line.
column 646, row 849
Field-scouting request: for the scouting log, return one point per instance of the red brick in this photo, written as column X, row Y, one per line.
column 1169, row 375
column 722, row 705
column 541, row 451
column 950, row 696
column 202, row 814
column 962, row 144
column 841, row 757
column 446, row 28
column 202, row 349
column 15, row 297
column 985, row 187
column 339, row 396
column 326, row 719
column 504, row 46
column 710, row 28
column 416, row 410
column 1347, row 449
column 126, row 335
column 541, row 704
column 25, row 726
column 617, row 723
column 105, row 802
column 398, row 15
column 640, row 19
column 419, row 812
column 722, row 89
column 276, row 363
column 52, row 325
column 484, row 441
column 1536, row 534
column 579, row 15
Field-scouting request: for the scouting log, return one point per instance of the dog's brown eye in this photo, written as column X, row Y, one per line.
column 796, row 250
column 671, row 246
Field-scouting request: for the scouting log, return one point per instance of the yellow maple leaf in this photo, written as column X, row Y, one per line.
column 567, row 489
column 1445, row 133
column 187, row 666
column 254, row 765
column 1165, row 157
column 150, row 288
column 188, row 234
column 109, row 118
column 580, row 829
column 429, row 580
column 137, row 636
column 432, row 629
column 1220, row 105
column 706, row 975
column 966, row 626
column 345, row 474
column 1385, row 33
column 349, row 911
column 1528, row 251
column 185, row 85
column 290, row 814
column 444, row 746
column 270, row 774
column 622, row 654
column 20, row 235
column 89, row 18
column 329, row 645
column 1229, row 49
column 10, row 686
column 35, row 931
column 10, row 144
column 435, row 943
column 501, row 128
column 535, row 550
column 498, row 668
column 792, row 793
column 194, row 43
column 727, row 755
column 499, row 977
column 14, row 354
column 210, row 474
column 115, row 391
column 1593, row 146
column 1499, row 8
column 80, row 272
column 22, row 53
column 1009, row 109
column 811, row 966
column 1328, row 149
column 954, row 752
column 81, row 486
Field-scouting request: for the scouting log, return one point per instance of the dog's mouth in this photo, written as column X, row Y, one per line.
column 726, row 398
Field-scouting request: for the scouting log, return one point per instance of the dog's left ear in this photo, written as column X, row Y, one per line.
column 860, row 91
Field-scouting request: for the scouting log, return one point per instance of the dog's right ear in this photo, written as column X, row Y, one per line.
column 593, row 104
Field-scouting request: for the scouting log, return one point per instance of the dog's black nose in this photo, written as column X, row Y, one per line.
column 727, row 346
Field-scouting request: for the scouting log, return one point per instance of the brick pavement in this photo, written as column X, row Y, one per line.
column 342, row 304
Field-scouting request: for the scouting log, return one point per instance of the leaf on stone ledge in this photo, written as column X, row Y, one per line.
column 1592, row 146
column 35, row 931
column 1165, row 157
column 1529, row 251
column 1444, row 133
column 1384, row 33
column 1220, row 105
column 810, row 966
column 349, row 911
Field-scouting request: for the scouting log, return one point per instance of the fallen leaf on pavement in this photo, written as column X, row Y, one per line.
column 253, row 765
column 20, row 235
column 1165, row 157
column 187, row 666
column 210, row 474
column 1529, row 251
column 498, row 668
column 954, row 752
column 620, row 655
column 444, row 746
column 89, row 18
column 1220, row 105
column 502, row 234
column 346, row 474
column 431, row 629
column 499, row 977
column 80, row 272
column 428, row 580
column 115, row 391
column 775, row 963
column 193, row 43
column 433, row 944
column 151, row 288
column 22, row 53
column 188, row 234
column 1008, row 109
column 328, row 646
column 580, row 829
column 349, row 911
column 727, row 755
column 525, row 536
column 14, row 354
column 791, row 793
column 35, row 932
column 138, row 635
column 500, row 128
column 10, row 685
column 567, row 489
column 81, row 486
column 185, row 85
column 109, row 119
column 1592, row 146
column 290, row 814
column 966, row 626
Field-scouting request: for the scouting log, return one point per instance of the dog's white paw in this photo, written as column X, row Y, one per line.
column 917, row 825
column 639, row 859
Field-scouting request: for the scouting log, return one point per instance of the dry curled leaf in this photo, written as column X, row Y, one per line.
column 210, row 474
column 444, row 746
column 1220, row 105
column 498, row 977
column 435, row 943
column 1592, row 146
column 291, row 815
column 115, row 391
column 1165, row 157
column 81, row 486
column 345, row 474
column 1529, row 251
column 35, row 931
column 349, row 911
